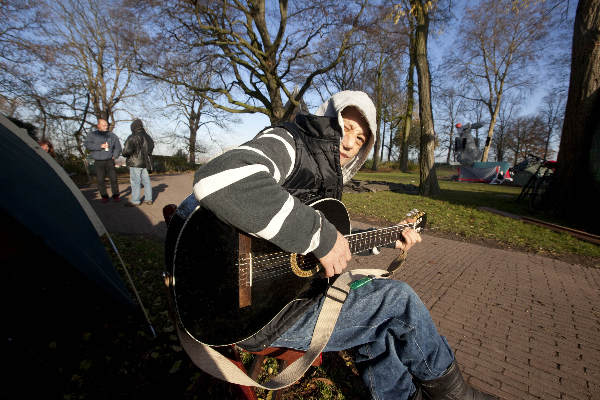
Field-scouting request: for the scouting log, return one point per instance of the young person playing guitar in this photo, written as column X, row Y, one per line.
column 262, row 188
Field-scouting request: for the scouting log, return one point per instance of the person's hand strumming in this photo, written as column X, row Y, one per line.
column 337, row 259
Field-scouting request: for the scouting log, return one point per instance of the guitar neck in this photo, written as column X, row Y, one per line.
column 363, row 241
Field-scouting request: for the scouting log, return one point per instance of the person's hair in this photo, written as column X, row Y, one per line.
column 50, row 146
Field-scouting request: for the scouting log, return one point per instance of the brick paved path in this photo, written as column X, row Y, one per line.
column 522, row 326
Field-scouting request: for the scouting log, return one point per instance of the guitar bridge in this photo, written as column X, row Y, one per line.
column 244, row 272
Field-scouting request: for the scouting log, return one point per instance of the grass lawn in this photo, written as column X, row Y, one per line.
column 455, row 213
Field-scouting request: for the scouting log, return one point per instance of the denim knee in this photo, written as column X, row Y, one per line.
column 403, row 288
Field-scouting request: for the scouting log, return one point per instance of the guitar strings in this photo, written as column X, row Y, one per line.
column 275, row 269
column 355, row 238
column 277, row 264
column 264, row 265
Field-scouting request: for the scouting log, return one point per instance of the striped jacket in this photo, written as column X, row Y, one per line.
column 246, row 187
column 251, row 188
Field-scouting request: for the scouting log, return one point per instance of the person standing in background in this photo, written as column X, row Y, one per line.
column 104, row 147
column 138, row 151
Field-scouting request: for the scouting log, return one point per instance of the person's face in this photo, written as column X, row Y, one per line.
column 356, row 134
column 102, row 125
column 45, row 147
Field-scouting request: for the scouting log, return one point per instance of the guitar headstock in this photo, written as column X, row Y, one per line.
column 416, row 219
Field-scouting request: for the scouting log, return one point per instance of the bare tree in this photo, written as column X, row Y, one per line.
column 263, row 48
column 196, row 112
column 17, row 19
column 349, row 74
column 79, row 55
column 89, row 48
column 392, row 114
column 428, row 185
column 410, row 98
column 371, row 64
column 450, row 106
column 502, row 39
column 386, row 60
column 525, row 136
column 505, row 119
column 552, row 110
column 412, row 143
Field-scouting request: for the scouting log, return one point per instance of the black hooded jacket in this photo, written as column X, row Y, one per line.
column 138, row 147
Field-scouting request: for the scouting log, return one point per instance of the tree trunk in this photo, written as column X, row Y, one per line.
column 450, row 144
column 577, row 184
column 194, row 117
column 277, row 109
column 79, row 142
column 83, row 155
column 410, row 103
column 379, row 107
column 548, row 134
column 382, row 142
column 428, row 185
column 192, row 144
column 488, row 141
column 391, row 142
column 518, row 145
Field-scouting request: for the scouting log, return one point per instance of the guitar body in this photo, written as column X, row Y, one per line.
column 227, row 285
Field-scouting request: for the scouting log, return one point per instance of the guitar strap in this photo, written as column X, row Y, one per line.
column 219, row 366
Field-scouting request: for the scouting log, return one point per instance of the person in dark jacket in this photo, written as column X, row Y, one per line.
column 104, row 147
column 138, row 151
column 261, row 188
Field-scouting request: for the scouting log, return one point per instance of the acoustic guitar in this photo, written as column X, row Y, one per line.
column 227, row 285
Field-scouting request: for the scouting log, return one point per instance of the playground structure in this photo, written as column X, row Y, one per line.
column 468, row 153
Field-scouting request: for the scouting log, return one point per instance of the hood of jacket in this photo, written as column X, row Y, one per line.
column 137, row 127
column 334, row 106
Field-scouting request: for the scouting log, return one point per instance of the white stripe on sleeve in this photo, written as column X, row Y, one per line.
column 276, row 173
column 290, row 150
column 277, row 221
column 218, row 181
column 316, row 239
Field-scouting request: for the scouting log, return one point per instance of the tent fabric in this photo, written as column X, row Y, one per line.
column 85, row 205
column 38, row 193
column 504, row 166
column 522, row 176
column 484, row 175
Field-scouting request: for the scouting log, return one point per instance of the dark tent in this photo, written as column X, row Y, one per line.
column 60, row 276
column 38, row 194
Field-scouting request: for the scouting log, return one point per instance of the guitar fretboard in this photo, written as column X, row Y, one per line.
column 363, row 241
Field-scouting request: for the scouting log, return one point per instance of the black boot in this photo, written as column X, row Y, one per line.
column 451, row 386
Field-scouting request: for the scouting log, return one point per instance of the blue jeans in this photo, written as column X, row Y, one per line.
column 137, row 177
column 393, row 332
